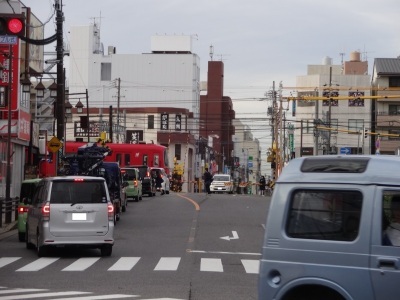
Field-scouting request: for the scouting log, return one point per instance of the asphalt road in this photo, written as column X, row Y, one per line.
column 176, row 246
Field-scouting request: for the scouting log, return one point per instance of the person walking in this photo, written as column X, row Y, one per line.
column 207, row 180
column 262, row 184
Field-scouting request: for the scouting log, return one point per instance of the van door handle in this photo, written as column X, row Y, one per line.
column 386, row 262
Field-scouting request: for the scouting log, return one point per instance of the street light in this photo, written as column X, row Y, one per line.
column 79, row 107
column 40, row 89
column 53, row 89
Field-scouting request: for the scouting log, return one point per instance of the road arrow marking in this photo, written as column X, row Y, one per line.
column 228, row 238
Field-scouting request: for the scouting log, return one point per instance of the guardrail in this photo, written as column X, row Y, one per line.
column 8, row 210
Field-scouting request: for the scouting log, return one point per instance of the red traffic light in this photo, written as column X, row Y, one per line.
column 12, row 24
column 15, row 26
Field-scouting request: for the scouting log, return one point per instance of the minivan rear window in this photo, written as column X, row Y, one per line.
column 335, row 165
column 78, row 192
column 324, row 215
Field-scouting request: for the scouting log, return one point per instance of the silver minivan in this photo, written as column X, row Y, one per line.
column 71, row 211
column 328, row 230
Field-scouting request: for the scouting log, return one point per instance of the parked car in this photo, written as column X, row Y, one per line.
column 148, row 183
column 28, row 188
column 325, row 235
column 113, row 176
column 133, row 190
column 221, row 183
column 165, row 185
column 71, row 211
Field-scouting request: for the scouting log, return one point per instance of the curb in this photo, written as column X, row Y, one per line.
column 8, row 227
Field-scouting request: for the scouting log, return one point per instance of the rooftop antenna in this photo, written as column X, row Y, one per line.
column 342, row 54
column 211, row 52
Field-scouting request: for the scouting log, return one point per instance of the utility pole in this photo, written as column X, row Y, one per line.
column 60, row 103
column 118, row 103
column 8, row 208
column 330, row 110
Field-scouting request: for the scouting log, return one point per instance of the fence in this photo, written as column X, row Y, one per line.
column 8, row 211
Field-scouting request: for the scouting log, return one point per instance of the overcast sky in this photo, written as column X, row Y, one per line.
column 260, row 41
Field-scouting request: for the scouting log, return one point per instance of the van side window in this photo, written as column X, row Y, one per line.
column 391, row 219
column 39, row 194
column 324, row 215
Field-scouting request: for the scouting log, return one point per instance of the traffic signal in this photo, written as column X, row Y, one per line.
column 365, row 133
column 12, row 24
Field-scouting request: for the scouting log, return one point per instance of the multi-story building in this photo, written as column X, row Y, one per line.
column 246, row 156
column 386, row 106
column 334, row 126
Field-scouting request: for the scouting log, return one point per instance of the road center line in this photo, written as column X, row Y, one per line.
column 222, row 252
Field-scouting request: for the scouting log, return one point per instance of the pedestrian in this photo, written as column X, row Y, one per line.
column 207, row 180
column 262, row 184
column 159, row 182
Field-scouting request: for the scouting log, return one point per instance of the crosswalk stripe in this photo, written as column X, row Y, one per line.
column 38, row 264
column 14, row 291
column 124, row 264
column 251, row 265
column 211, row 265
column 114, row 296
column 81, row 264
column 168, row 264
column 41, row 295
column 4, row 261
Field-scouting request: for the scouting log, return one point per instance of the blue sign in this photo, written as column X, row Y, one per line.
column 250, row 164
column 345, row 150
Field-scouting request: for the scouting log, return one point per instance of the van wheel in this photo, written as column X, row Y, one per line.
column 21, row 236
column 106, row 250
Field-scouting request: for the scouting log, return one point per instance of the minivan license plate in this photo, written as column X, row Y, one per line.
column 78, row 216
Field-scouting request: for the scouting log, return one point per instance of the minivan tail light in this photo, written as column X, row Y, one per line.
column 46, row 211
column 135, row 182
column 110, row 208
column 22, row 209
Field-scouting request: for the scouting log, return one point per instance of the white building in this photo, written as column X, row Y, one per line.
column 141, row 88
column 335, row 128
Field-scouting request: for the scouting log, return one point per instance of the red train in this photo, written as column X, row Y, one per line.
column 126, row 155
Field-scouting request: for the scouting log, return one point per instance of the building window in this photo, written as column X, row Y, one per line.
column 356, row 126
column 394, row 81
column 394, row 110
column 105, row 72
column 150, row 122
column 178, row 148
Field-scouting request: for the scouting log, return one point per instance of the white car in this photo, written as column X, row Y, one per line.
column 222, row 183
column 165, row 185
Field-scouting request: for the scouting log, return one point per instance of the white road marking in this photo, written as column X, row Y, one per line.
column 251, row 266
column 38, row 264
column 41, row 295
column 4, row 261
column 124, row 264
column 221, row 252
column 14, row 291
column 211, row 265
column 81, row 264
column 168, row 264
column 113, row 296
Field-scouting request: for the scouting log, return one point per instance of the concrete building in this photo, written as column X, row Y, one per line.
column 336, row 126
column 386, row 107
column 247, row 157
